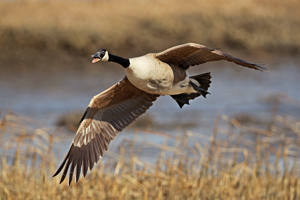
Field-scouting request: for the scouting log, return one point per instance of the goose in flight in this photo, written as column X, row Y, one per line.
column 147, row 77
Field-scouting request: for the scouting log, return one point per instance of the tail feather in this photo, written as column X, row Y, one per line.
column 203, row 80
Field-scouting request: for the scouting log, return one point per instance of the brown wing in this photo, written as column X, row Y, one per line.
column 191, row 54
column 107, row 114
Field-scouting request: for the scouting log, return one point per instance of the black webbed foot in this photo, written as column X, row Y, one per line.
column 199, row 90
column 181, row 99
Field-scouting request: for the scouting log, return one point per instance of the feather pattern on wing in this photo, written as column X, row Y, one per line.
column 192, row 54
column 107, row 114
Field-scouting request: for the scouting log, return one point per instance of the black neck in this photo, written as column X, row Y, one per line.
column 122, row 61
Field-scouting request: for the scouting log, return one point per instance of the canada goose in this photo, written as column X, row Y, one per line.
column 147, row 77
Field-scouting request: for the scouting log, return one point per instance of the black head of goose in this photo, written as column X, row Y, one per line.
column 103, row 55
column 147, row 77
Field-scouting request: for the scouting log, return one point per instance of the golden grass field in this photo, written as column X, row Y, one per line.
column 135, row 27
column 264, row 167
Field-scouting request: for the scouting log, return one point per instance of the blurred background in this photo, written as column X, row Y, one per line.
column 47, row 78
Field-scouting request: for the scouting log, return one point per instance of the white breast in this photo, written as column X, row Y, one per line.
column 141, row 68
column 154, row 76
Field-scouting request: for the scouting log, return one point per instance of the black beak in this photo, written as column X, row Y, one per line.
column 96, row 55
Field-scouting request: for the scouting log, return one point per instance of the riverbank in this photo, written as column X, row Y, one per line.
column 37, row 32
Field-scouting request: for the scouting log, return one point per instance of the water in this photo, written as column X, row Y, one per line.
column 234, row 90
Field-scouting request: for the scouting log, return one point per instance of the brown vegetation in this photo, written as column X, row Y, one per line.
column 135, row 27
column 250, row 163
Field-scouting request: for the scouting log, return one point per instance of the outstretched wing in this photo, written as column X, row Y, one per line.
column 191, row 54
column 107, row 114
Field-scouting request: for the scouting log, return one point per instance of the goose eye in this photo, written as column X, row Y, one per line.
column 102, row 54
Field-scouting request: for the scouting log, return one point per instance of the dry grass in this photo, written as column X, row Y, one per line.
column 190, row 166
column 144, row 26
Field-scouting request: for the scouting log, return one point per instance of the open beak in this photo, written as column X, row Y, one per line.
column 96, row 58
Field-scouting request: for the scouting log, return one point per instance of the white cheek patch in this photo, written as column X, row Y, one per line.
column 105, row 57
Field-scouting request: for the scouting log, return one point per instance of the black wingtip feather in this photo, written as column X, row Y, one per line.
column 263, row 69
column 78, row 169
column 60, row 168
column 65, row 172
column 71, row 173
column 63, row 163
column 85, row 163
